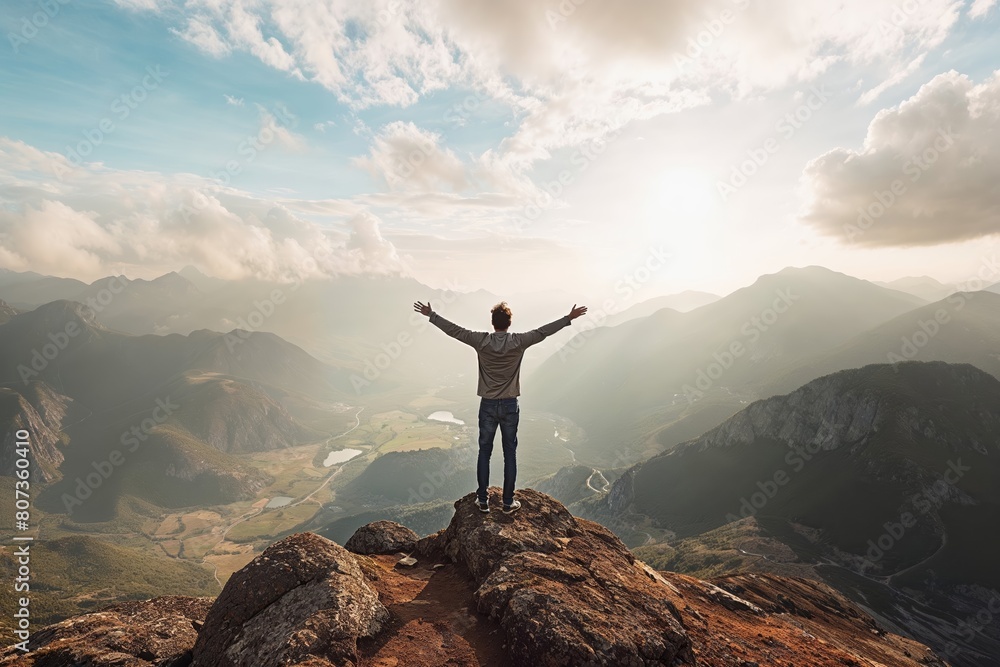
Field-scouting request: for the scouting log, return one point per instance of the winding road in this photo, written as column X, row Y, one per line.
column 595, row 471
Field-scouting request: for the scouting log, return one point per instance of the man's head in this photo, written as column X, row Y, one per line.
column 501, row 316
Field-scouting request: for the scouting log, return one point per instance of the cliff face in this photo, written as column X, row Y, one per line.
column 40, row 411
column 6, row 311
column 540, row 587
column 239, row 417
column 831, row 469
column 911, row 400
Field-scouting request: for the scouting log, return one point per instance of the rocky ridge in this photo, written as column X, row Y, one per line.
column 539, row 587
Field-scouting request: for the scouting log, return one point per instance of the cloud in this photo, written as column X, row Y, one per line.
column 52, row 235
column 426, row 180
column 367, row 238
column 496, row 259
column 154, row 5
column 981, row 8
column 284, row 137
column 570, row 71
column 202, row 35
column 894, row 79
column 926, row 174
column 406, row 158
column 96, row 220
column 234, row 101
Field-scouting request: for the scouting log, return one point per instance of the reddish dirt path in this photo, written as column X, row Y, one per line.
column 434, row 622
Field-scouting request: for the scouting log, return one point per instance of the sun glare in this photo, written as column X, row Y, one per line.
column 682, row 193
column 679, row 205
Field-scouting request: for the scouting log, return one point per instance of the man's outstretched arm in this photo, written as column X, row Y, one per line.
column 529, row 338
column 473, row 338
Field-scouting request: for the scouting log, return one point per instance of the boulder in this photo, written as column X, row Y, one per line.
column 305, row 600
column 382, row 537
column 566, row 591
column 159, row 632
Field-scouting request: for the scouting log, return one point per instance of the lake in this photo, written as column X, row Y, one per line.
column 444, row 416
column 279, row 501
column 341, row 456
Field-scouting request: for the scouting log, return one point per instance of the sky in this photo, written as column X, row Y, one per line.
column 515, row 146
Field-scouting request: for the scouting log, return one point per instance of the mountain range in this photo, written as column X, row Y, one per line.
column 881, row 479
column 811, row 425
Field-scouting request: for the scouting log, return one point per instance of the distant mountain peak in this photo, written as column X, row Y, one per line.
column 56, row 315
column 175, row 282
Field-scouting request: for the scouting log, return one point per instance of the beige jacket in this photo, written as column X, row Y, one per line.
column 500, row 353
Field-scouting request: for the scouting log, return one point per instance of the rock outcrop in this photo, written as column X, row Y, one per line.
column 156, row 632
column 536, row 588
column 39, row 411
column 6, row 311
column 382, row 537
column 304, row 599
column 565, row 590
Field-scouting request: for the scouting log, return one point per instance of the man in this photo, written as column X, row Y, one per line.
column 500, row 355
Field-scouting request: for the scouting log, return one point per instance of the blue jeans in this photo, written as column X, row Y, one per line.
column 505, row 413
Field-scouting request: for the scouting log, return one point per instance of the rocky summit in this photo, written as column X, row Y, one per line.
column 539, row 588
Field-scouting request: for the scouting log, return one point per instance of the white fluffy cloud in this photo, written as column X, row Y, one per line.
column 574, row 70
column 981, row 8
column 94, row 220
column 926, row 174
column 404, row 157
column 270, row 126
column 204, row 36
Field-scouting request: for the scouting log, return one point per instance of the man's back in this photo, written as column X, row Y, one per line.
column 500, row 353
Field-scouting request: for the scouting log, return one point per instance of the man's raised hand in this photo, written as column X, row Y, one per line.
column 423, row 308
column 577, row 312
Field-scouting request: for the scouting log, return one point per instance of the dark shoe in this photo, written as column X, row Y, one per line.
column 484, row 507
column 513, row 507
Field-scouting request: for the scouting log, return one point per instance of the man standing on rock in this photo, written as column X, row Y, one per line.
column 500, row 355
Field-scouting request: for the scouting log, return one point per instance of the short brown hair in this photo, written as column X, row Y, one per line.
column 501, row 315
